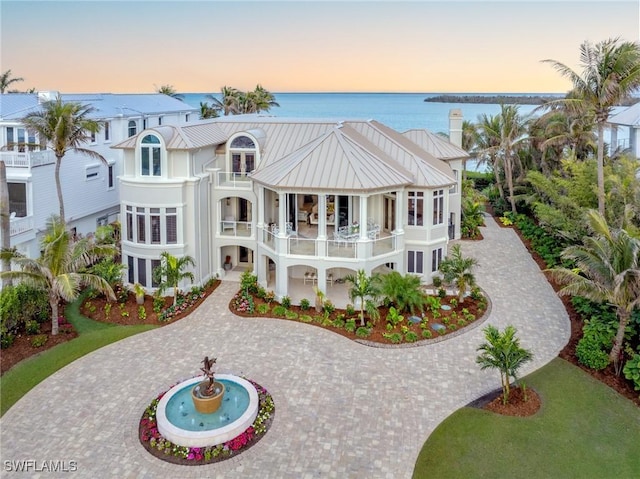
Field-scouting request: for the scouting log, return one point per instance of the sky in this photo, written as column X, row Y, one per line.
column 304, row 46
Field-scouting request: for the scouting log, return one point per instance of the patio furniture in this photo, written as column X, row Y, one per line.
column 310, row 276
column 229, row 223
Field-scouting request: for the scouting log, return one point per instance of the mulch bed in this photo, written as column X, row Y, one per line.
column 516, row 406
column 22, row 348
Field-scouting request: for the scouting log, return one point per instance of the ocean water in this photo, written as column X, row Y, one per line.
column 400, row 111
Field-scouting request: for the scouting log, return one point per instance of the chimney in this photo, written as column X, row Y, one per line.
column 45, row 96
column 455, row 127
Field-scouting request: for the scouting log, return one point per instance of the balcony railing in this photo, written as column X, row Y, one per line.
column 356, row 249
column 14, row 159
column 231, row 179
column 20, row 225
column 235, row 228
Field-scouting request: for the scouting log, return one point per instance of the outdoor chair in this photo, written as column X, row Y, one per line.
column 229, row 223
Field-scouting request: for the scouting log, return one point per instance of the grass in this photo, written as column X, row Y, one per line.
column 584, row 429
column 92, row 335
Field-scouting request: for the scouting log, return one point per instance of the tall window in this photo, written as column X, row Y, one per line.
column 130, row 276
column 93, row 137
column 155, row 263
column 243, row 155
column 129, row 223
column 141, row 225
column 110, row 177
column 172, row 225
column 438, row 207
column 155, row 225
column 415, row 262
column 436, row 259
column 107, row 131
column 133, row 128
column 415, row 208
column 150, row 156
column 142, row 271
column 19, row 139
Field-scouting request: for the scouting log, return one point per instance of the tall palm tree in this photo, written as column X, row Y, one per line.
column 64, row 127
column 512, row 135
column 170, row 90
column 171, row 271
column 610, row 73
column 62, row 269
column 263, row 99
column 457, row 269
column 363, row 288
column 207, row 111
column 607, row 270
column 487, row 142
column 502, row 351
column 6, row 80
column 229, row 103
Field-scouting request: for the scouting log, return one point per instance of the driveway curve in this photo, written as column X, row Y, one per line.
column 343, row 410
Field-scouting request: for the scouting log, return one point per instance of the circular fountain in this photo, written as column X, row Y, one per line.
column 179, row 422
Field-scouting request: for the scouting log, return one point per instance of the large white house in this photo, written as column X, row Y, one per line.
column 90, row 188
column 290, row 199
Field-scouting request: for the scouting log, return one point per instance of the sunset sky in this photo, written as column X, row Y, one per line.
column 307, row 46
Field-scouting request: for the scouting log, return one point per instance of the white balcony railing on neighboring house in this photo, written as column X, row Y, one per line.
column 30, row 159
column 230, row 179
column 20, row 225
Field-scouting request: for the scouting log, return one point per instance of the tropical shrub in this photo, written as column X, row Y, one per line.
column 590, row 353
column 290, row 314
column 279, row 310
column 305, row 304
column 350, row 325
column 286, row 302
column 410, row 337
column 263, row 308
column 631, row 371
column 108, row 270
column 402, row 291
column 363, row 332
column 249, row 282
column 39, row 340
column 32, row 327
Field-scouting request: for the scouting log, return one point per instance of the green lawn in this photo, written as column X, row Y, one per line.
column 583, row 430
column 92, row 335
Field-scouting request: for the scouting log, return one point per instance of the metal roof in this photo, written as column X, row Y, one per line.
column 335, row 161
column 628, row 117
column 437, row 145
column 14, row 106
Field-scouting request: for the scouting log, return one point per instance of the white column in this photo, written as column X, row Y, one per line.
column 363, row 217
column 282, row 218
column 260, row 207
column 322, row 217
column 401, row 208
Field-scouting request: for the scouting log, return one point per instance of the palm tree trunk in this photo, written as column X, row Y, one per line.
column 623, row 317
column 508, row 171
column 601, row 168
column 5, row 227
column 175, row 295
column 498, row 181
column 53, row 302
column 59, row 188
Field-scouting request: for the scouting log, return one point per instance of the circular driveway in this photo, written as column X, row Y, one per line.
column 343, row 410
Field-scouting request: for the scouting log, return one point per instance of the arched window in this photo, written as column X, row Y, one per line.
column 133, row 128
column 150, row 156
column 243, row 155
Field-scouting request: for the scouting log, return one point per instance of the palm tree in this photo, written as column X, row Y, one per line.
column 487, row 142
column 171, row 271
column 263, row 100
column 610, row 73
column 6, row 80
column 62, row 269
column 229, row 104
column 402, row 291
column 170, row 90
column 363, row 288
column 457, row 269
column 207, row 111
column 607, row 270
column 64, row 127
column 502, row 351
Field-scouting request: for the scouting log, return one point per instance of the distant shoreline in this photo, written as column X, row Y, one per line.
column 506, row 99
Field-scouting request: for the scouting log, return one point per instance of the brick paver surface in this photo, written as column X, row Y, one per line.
column 343, row 410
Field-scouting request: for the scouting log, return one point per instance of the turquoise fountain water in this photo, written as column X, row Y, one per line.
column 180, row 423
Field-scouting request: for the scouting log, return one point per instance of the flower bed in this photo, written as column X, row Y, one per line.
column 163, row 449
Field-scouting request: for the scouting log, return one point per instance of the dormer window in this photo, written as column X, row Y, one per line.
column 243, row 155
column 150, row 156
column 133, row 128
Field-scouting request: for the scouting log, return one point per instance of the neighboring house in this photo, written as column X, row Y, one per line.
column 629, row 118
column 290, row 199
column 90, row 188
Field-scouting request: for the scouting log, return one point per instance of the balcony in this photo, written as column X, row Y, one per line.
column 20, row 225
column 231, row 227
column 30, row 159
column 233, row 180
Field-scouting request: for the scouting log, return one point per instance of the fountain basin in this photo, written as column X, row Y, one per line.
column 182, row 425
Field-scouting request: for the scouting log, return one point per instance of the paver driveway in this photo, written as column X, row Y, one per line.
column 343, row 410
